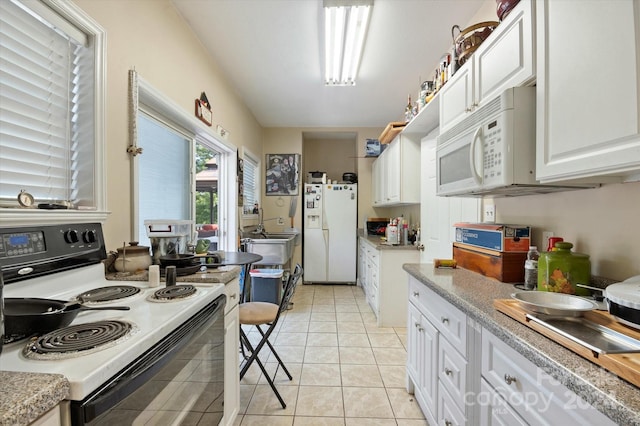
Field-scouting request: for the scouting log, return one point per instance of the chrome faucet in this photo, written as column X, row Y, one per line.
column 260, row 228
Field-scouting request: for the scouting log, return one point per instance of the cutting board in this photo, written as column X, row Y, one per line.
column 625, row 365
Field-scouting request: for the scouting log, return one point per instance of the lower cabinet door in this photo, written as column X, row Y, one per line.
column 231, row 366
column 448, row 412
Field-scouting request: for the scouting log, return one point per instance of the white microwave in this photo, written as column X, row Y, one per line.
column 493, row 150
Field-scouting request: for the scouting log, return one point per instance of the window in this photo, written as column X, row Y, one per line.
column 182, row 171
column 164, row 173
column 51, row 97
column 250, row 180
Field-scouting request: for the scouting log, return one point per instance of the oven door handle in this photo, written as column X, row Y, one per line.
column 147, row 365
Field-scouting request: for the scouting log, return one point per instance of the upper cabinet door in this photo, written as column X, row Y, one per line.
column 505, row 59
column 456, row 97
column 588, row 85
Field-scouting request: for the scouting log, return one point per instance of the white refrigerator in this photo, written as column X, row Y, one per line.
column 330, row 233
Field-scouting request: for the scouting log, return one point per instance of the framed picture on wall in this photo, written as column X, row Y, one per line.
column 282, row 174
column 240, row 178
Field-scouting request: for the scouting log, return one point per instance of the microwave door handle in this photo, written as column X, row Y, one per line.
column 472, row 158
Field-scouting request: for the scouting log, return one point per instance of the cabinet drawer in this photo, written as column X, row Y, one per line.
column 452, row 371
column 232, row 291
column 495, row 410
column 448, row 412
column 532, row 393
column 450, row 321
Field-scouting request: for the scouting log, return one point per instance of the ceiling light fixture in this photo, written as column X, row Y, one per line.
column 345, row 28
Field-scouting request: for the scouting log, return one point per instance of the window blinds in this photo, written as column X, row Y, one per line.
column 40, row 102
column 250, row 182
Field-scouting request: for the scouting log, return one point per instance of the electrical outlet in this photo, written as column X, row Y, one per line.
column 280, row 221
column 545, row 239
column 489, row 214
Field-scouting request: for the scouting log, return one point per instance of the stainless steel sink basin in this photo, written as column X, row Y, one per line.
column 275, row 249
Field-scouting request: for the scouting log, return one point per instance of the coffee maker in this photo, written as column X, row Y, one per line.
column 168, row 237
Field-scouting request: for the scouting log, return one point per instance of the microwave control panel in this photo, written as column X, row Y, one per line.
column 492, row 153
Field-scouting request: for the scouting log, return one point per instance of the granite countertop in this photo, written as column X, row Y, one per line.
column 380, row 244
column 26, row 396
column 473, row 294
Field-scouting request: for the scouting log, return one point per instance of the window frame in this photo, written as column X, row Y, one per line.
column 160, row 105
column 96, row 36
column 249, row 155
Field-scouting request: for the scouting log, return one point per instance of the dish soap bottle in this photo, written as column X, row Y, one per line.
column 531, row 269
column 392, row 232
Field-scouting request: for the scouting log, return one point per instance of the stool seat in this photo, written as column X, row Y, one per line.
column 254, row 313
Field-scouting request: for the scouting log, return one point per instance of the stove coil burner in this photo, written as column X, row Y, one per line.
column 173, row 293
column 107, row 294
column 77, row 340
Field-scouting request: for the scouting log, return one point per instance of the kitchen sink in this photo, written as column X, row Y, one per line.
column 275, row 248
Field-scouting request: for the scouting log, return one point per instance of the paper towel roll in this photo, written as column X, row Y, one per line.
column 154, row 275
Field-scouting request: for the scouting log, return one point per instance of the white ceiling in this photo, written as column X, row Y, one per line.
column 270, row 52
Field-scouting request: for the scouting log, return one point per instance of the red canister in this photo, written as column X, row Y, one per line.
column 552, row 243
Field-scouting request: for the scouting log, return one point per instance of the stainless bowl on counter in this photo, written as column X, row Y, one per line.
column 556, row 304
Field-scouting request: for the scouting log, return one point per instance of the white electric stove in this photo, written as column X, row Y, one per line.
column 160, row 333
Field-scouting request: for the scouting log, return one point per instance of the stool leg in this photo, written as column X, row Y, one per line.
column 273, row 351
column 254, row 357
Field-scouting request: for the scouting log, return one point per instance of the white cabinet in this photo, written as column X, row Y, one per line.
column 362, row 263
column 368, row 269
column 53, row 417
column 588, row 88
column 422, row 361
column 498, row 413
column 384, row 286
column 533, row 396
column 231, row 356
column 506, row 59
column 372, row 273
column 396, row 173
column 443, row 367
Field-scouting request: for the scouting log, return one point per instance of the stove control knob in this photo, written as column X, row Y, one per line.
column 89, row 237
column 71, row 236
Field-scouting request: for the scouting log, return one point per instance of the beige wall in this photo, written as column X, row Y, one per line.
column 601, row 222
column 333, row 156
column 290, row 140
column 151, row 37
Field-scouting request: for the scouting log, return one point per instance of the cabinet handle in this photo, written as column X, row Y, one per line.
column 509, row 379
column 444, row 320
column 416, row 294
column 467, row 110
column 233, row 296
column 448, row 372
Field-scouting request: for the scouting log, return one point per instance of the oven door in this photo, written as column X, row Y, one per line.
column 179, row 380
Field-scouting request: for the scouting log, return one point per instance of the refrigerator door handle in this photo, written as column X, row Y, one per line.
column 325, row 226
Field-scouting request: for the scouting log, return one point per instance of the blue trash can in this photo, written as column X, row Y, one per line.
column 266, row 285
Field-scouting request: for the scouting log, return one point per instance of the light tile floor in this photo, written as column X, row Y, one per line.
column 346, row 370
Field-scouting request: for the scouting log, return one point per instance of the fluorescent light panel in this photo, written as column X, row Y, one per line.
column 345, row 30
